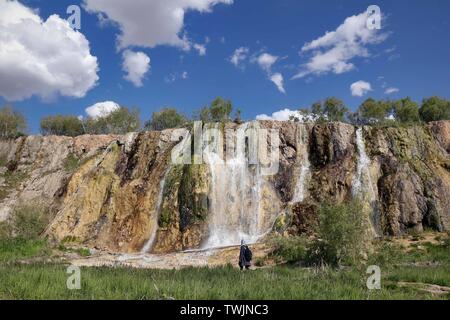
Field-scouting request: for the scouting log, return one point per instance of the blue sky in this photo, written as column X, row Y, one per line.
column 411, row 53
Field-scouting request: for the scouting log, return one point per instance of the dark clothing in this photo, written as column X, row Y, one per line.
column 245, row 257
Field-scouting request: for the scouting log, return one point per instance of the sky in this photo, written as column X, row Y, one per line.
column 269, row 57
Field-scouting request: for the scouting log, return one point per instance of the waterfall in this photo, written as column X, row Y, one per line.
column 362, row 183
column 179, row 153
column 154, row 217
column 304, row 171
column 235, row 194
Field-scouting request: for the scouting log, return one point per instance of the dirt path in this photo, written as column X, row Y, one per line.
column 176, row 260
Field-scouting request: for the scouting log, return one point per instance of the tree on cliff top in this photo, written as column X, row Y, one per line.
column 374, row 111
column 406, row 111
column 219, row 111
column 434, row 109
column 12, row 123
column 120, row 121
column 331, row 109
column 62, row 125
column 166, row 118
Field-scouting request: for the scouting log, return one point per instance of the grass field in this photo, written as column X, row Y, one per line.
column 427, row 264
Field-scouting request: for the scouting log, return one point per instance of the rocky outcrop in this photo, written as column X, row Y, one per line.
column 124, row 193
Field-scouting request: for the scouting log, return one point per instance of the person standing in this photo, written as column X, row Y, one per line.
column 245, row 256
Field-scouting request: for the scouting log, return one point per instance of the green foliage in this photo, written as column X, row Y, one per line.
column 12, row 123
column 48, row 281
column 341, row 235
column 13, row 249
column 120, row 121
column 406, row 111
column 166, row 119
column 3, row 161
column 374, row 111
column 71, row 163
column 29, row 221
column 434, row 109
column 12, row 180
column 62, row 125
column 219, row 111
column 331, row 109
column 289, row 249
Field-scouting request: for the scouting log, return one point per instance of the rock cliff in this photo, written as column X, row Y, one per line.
column 127, row 194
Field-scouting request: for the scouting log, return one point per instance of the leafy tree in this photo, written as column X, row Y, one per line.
column 341, row 232
column 120, row 121
column 62, row 126
column 165, row 119
column 332, row 109
column 12, row 123
column 219, row 111
column 406, row 111
column 372, row 110
column 434, row 109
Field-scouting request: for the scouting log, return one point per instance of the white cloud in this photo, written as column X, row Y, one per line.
column 334, row 51
column 286, row 114
column 136, row 65
column 42, row 58
column 266, row 60
column 101, row 109
column 239, row 55
column 201, row 48
column 277, row 78
column 391, row 90
column 360, row 88
column 151, row 23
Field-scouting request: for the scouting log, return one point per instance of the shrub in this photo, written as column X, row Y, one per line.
column 166, row 119
column 62, row 126
column 289, row 249
column 71, row 163
column 120, row 121
column 29, row 221
column 341, row 235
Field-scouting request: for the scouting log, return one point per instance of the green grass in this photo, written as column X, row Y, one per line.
column 49, row 282
column 71, row 163
column 17, row 249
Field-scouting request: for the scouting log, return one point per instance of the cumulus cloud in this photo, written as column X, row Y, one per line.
column 135, row 65
column 334, row 51
column 266, row 60
column 42, row 58
column 147, row 23
column 277, row 79
column 391, row 90
column 101, row 109
column 360, row 88
column 286, row 115
column 239, row 55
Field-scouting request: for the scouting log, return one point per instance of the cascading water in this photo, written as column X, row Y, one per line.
column 304, row 170
column 235, row 210
column 178, row 153
column 362, row 184
column 155, row 214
